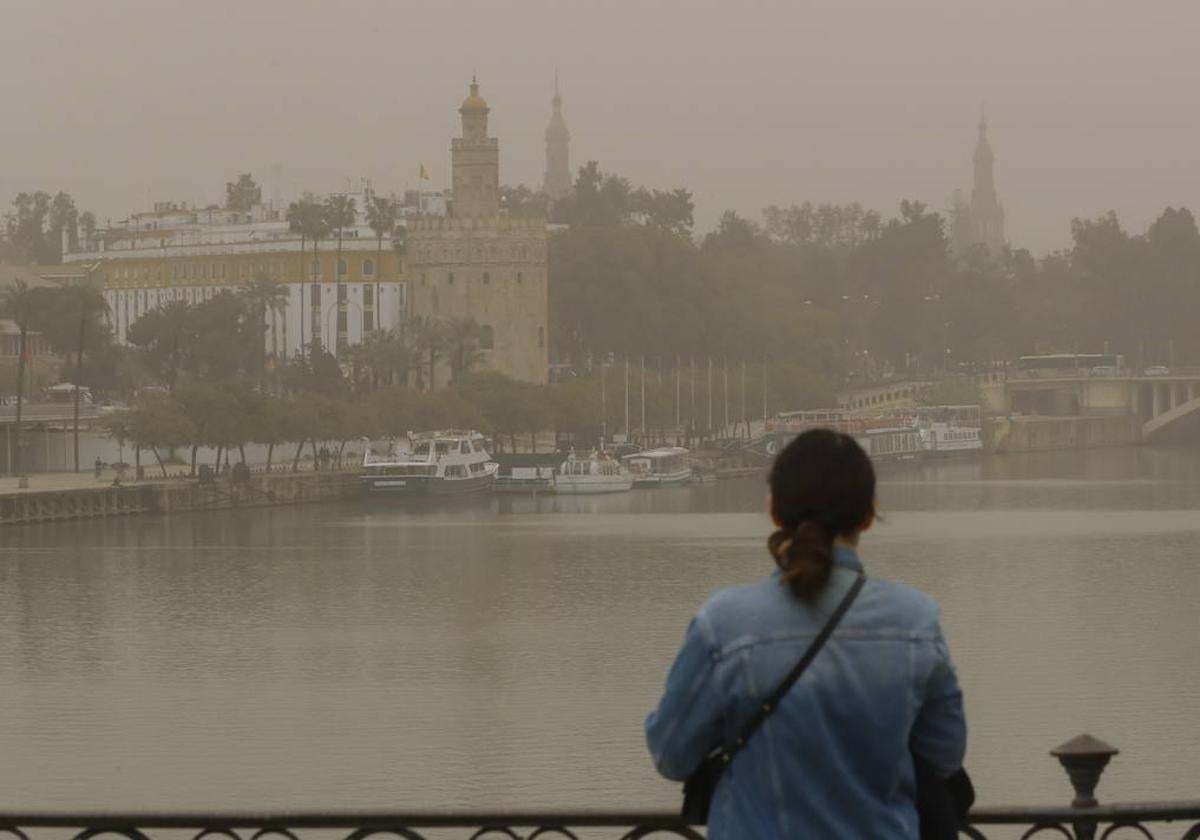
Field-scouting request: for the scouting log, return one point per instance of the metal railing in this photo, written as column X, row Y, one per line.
column 1084, row 759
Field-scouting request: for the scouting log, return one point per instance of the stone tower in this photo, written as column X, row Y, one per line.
column 475, row 162
column 557, row 181
column 987, row 216
column 480, row 264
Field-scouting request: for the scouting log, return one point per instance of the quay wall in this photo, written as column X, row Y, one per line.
column 176, row 496
column 1035, row 434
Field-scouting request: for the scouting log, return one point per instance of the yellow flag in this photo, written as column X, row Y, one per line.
column 424, row 173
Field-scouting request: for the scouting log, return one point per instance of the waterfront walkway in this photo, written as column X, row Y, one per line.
column 58, row 482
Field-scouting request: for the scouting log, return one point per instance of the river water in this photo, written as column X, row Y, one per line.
column 504, row 653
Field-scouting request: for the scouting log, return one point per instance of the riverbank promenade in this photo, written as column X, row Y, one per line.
column 63, row 482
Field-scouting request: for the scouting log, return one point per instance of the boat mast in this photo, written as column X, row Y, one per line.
column 745, row 420
column 627, row 432
column 725, row 398
column 708, row 428
column 603, row 404
column 642, row 376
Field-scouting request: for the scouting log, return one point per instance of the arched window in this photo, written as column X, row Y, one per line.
column 341, row 268
column 487, row 337
column 487, row 278
column 368, row 267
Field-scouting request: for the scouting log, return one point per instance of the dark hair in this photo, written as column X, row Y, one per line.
column 822, row 487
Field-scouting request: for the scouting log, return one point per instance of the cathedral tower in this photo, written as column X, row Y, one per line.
column 557, row 182
column 987, row 216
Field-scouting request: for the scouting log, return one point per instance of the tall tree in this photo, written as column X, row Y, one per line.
column 242, row 194
column 264, row 297
column 75, row 316
column 429, row 342
column 381, row 216
column 340, row 213
column 19, row 303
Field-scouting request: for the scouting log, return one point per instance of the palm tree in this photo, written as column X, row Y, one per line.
column 464, row 345
column 296, row 213
column 263, row 295
column 340, row 213
column 316, row 226
column 86, row 304
column 18, row 303
column 381, row 216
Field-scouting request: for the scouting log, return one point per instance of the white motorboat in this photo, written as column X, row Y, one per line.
column 597, row 473
column 440, row 463
column 670, row 465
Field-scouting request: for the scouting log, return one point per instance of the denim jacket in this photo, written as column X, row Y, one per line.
column 833, row 760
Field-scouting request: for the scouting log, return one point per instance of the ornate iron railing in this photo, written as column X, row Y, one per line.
column 1084, row 758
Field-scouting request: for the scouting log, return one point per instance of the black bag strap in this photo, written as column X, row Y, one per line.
column 726, row 753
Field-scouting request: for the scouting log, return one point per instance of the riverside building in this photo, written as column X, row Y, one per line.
column 474, row 262
column 177, row 252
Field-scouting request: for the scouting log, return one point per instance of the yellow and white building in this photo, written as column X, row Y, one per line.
column 180, row 253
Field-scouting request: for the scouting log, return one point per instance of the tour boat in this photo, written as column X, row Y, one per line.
column 949, row 439
column 595, row 474
column 898, row 442
column 441, row 463
column 659, row 467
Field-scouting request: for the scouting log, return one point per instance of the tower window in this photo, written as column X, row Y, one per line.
column 368, row 267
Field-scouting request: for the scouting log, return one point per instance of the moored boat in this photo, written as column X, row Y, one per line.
column 598, row 473
column 444, row 463
column 946, row 439
column 670, row 465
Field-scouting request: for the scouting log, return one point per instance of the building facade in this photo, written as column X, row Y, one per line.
column 556, row 183
column 981, row 222
column 473, row 262
column 177, row 253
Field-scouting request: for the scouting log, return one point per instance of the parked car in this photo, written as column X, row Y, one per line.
column 1157, row 370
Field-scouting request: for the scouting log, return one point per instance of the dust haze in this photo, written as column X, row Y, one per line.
column 1090, row 106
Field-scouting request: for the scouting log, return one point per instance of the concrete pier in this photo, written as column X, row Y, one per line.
column 64, row 498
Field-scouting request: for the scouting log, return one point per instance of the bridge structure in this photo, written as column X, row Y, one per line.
column 1166, row 407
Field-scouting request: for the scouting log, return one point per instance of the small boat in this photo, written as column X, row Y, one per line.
column 597, row 473
column 949, row 439
column 445, row 463
column 669, row 465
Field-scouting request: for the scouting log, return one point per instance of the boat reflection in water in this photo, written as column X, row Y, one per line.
column 445, row 463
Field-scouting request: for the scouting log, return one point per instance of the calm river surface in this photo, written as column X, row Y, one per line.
column 504, row 654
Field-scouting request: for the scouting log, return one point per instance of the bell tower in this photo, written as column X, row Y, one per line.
column 557, row 181
column 475, row 162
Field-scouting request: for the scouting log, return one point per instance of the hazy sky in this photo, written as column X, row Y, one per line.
column 1092, row 103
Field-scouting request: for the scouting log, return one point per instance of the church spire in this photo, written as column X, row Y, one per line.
column 986, row 214
column 556, row 183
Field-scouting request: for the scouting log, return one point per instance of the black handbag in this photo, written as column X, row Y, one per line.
column 942, row 804
column 700, row 786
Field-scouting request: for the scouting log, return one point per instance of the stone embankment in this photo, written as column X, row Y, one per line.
column 1034, row 434
column 50, row 504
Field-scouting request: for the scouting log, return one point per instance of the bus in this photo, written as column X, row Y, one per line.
column 1071, row 364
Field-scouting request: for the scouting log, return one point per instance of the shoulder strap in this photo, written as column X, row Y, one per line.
column 773, row 700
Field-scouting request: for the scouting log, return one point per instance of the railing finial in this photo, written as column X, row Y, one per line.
column 1084, row 758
